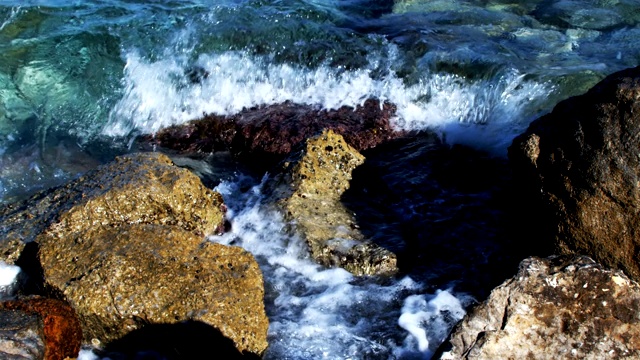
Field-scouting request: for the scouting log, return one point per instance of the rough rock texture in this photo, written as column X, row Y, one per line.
column 124, row 244
column 137, row 188
column 581, row 163
column 10, row 250
column 273, row 131
column 308, row 191
column 555, row 308
column 119, row 279
column 21, row 336
column 58, row 323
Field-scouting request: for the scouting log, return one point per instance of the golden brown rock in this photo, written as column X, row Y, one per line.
column 308, row 191
column 133, row 189
column 119, row 279
column 10, row 250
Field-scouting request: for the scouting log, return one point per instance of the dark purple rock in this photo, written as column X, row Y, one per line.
column 270, row 132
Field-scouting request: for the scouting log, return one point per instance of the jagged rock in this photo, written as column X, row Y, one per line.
column 21, row 336
column 581, row 163
column 137, row 188
column 308, row 191
column 119, row 279
column 555, row 308
column 270, row 132
column 58, row 325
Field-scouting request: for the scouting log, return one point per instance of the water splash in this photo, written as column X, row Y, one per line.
column 159, row 94
column 320, row 313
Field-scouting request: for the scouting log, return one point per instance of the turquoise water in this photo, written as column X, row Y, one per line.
column 72, row 72
column 80, row 79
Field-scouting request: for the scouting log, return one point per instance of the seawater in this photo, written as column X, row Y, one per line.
column 79, row 80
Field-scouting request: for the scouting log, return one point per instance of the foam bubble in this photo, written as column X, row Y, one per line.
column 87, row 355
column 8, row 274
column 428, row 319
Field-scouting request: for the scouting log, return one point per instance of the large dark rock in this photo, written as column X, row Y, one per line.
column 270, row 132
column 555, row 308
column 308, row 191
column 580, row 164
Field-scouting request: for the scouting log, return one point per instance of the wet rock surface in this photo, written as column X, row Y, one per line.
column 21, row 336
column 137, row 188
column 308, row 190
column 125, row 246
column 270, row 132
column 554, row 308
column 120, row 279
column 580, row 169
column 53, row 322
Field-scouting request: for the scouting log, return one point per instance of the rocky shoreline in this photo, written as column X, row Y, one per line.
column 122, row 251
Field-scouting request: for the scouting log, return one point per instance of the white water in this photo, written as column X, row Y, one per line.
column 320, row 313
column 8, row 278
column 157, row 95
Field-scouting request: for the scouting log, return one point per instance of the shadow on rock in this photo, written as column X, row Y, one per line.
column 446, row 211
column 182, row 341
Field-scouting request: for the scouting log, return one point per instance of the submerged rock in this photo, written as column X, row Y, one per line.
column 50, row 323
column 555, row 308
column 308, row 191
column 271, row 132
column 581, row 164
column 119, row 279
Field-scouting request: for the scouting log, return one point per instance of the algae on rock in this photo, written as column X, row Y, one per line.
column 308, row 191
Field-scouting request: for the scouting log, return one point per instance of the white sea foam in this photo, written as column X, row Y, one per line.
column 8, row 274
column 8, row 279
column 320, row 313
column 157, row 94
column 429, row 317
column 87, row 355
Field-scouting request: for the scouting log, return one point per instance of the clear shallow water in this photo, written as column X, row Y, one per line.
column 79, row 79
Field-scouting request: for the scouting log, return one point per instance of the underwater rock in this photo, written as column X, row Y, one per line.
column 121, row 278
column 271, row 132
column 580, row 165
column 57, row 326
column 554, row 308
column 133, row 189
column 308, row 191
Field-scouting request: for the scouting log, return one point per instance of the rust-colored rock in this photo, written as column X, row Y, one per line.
column 61, row 328
column 119, row 279
column 308, row 191
column 555, row 308
column 273, row 131
column 581, row 164
column 133, row 189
